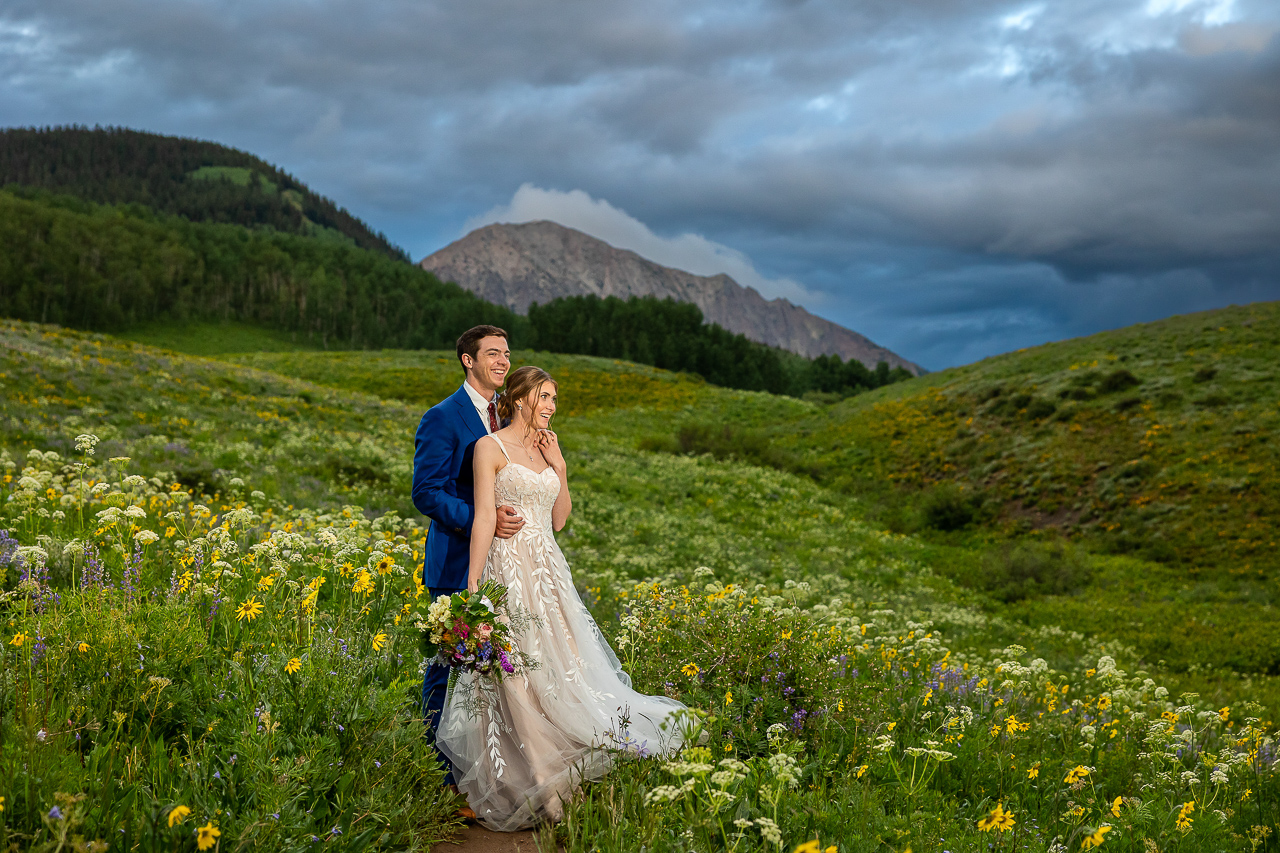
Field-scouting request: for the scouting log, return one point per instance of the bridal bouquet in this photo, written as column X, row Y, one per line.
column 471, row 632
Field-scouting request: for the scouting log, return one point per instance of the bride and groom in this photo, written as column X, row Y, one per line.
column 489, row 473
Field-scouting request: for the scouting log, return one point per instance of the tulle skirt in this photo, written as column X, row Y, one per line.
column 521, row 747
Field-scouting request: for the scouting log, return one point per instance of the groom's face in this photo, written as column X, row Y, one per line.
column 491, row 363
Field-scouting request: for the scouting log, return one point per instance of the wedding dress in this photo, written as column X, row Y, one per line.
column 539, row 735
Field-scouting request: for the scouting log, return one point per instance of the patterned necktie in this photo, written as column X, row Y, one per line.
column 493, row 418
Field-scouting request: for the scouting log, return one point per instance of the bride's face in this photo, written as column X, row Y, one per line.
column 541, row 405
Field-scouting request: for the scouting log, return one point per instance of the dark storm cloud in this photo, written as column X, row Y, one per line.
column 951, row 178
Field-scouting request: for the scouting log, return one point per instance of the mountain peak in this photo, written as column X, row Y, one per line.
column 518, row 264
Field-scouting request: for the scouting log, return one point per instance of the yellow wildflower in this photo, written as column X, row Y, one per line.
column 251, row 609
column 364, row 583
column 1224, row 714
column 385, row 565
column 861, row 770
column 1034, row 771
column 293, row 665
column 1076, row 774
column 1095, row 839
column 207, row 836
column 690, row 669
column 177, row 815
column 999, row 820
column 808, row 847
column 18, row 639
column 265, row 582
column 1184, row 815
column 1115, row 806
column 379, row 640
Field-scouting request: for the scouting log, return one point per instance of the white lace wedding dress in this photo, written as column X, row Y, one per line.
column 539, row 734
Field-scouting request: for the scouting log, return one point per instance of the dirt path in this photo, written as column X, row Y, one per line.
column 476, row 839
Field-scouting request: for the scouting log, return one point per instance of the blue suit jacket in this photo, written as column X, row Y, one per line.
column 444, row 488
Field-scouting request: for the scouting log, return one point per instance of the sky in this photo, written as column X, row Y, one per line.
column 951, row 179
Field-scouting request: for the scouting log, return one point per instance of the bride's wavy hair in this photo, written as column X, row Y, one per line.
column 523, row 384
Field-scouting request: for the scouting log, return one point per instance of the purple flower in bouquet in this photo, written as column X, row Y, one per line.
column 505, row 662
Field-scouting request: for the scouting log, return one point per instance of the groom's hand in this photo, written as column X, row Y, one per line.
column 509, row 523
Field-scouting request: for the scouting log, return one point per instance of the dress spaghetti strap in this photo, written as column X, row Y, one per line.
column 501, row 447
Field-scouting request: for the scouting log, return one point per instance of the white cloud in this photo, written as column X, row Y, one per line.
column 689, row 252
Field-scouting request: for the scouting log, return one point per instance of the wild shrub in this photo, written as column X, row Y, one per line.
column 1124, row 404
column 1213, row 401
column 730, row 442
column 1039, row 409
column 1015, row 571
column 949, row 507
column 1117, row 380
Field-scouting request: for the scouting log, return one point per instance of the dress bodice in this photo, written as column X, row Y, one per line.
column 533, row 492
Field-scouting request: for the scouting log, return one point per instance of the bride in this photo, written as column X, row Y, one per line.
column 538, row 738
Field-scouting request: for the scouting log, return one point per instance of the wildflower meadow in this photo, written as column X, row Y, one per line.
column 207, row 571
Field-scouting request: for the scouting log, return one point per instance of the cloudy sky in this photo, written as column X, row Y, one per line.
column 952, row 179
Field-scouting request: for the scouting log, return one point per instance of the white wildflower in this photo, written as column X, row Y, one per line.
column 769, row 830
column 663, row 794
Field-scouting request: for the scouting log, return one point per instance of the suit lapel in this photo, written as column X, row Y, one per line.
column 467, row 411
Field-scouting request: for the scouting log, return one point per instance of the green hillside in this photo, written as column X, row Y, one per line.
column 1123, row 483
column 1152, row 440
column 205, row 630
column 199, row 180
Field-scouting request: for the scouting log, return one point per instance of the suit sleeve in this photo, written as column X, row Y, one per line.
column 433, row 452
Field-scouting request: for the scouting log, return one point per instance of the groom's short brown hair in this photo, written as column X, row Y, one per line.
column 469, row 342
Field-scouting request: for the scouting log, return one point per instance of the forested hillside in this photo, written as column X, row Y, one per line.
column 671, row 335
column 86, row 266
column 201, row 181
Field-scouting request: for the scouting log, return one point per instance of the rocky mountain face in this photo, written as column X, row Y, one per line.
column 516, row 265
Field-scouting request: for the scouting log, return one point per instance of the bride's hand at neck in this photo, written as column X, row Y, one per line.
column 533, row 419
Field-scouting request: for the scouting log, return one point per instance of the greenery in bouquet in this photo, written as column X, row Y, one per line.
column 472, row 632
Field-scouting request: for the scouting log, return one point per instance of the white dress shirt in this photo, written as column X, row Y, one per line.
column 481, row 404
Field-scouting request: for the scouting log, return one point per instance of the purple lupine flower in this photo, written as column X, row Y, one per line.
column 797, row 719
column 55, row 813
column 8, row 548
column 92, row 575
column 131, row 567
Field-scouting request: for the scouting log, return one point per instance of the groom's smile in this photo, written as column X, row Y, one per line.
column 492, row 361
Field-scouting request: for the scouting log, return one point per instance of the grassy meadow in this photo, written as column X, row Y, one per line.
column 209, row 573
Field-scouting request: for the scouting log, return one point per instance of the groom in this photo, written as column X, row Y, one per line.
column 442, row 483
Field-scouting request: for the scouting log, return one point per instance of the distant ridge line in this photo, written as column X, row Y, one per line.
column 518, row 264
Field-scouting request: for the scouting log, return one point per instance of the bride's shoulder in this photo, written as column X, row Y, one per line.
column 489, row 449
